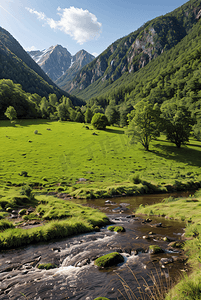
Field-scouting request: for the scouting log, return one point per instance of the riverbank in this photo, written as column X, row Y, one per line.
column 184, row 209
column 29, row 219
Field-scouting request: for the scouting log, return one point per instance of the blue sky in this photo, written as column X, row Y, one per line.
column 80, row 24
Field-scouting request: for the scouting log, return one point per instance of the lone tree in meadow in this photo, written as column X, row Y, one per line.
column 177, row 122
column 11, row 113
column 144, row 123
column 99, row 121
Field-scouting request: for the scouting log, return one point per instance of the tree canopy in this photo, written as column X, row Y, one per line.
column 177, row 122
column 99, row 121
column 144, row 123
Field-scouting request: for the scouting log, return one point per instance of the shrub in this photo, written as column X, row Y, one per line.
column 99, row 121
column 27, row 190
column 135, row 179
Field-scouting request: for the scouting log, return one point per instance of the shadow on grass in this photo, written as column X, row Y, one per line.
column 114, row 131
column 25, row 122
column 183, row 154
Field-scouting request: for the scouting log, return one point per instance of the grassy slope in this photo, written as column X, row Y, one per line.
column 69, row 151
column 189, row 210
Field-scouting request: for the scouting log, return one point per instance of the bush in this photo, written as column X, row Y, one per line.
column 99, row 121
column 135, row 179
column 27, row 190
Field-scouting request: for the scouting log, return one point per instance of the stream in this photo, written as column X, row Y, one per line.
column 76, row 277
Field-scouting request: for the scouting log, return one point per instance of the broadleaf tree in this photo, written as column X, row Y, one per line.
column 144, row 123
column 177, row 122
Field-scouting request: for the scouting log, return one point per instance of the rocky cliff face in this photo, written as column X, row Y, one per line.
column 78, row 61
column 57, row 60
column 136, row 50
column 54, row 61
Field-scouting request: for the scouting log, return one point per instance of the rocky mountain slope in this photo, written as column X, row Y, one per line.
column 54, row 61
column 17, row 65
column 79, row 60
column 131, row 53
column 57, row 61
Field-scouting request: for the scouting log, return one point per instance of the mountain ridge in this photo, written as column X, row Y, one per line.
column 132, row 52
column 17, row 65
column 56, row 61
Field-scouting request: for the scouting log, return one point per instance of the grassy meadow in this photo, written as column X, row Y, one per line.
column 68, row 157
column 61, row 153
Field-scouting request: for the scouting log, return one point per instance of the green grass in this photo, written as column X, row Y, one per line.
column 59, row 218
column 56, row 159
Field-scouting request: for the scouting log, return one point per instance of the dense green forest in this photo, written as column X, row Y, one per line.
column 174, row 76
column 133, row 52
column 29, row 105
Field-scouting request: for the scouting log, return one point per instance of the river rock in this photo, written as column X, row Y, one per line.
column 157, row 225
column 137, row 251
column 82, row 263
column 14, row 216
column 146, row 237
column 130, row 216
column 176, row 244
column 110, row 202
column 109, row 260
column 155, row 249
column 166, row 260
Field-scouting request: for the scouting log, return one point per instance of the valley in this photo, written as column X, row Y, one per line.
column 87, row 142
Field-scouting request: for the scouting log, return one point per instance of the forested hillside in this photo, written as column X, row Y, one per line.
column 132, row 53
column 172, row 77
column 17, row 65
column 26, row 105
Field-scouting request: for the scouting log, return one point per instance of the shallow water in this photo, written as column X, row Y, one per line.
column 76, row 277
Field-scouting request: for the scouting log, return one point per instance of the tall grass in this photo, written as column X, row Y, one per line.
column 17, row 237
column 156, row 289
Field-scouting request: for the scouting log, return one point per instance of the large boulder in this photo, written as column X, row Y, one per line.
column 109, row 260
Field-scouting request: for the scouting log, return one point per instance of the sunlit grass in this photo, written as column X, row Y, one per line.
column 69, row 152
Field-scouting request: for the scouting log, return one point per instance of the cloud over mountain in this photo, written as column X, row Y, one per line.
column 80, row 24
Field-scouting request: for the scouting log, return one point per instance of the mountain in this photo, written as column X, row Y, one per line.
column 54, row 61
column 57, row 62
column 79, row 60
column 133, row 52
column 17, row 65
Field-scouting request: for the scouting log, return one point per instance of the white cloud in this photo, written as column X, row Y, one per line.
column 80, row 24
column 40, row 15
